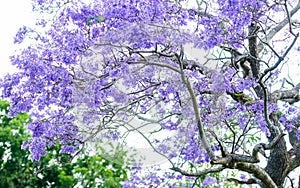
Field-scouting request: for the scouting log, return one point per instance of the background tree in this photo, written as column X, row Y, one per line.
column 108, row 68
column 53, row 170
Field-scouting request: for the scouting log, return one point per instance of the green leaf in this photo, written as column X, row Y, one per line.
column 100, row 19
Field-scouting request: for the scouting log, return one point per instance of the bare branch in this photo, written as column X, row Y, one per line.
column 150, row 143
column 277, row 28
column 280, row 58
column 222, row 148
column 288, row 17
column 291, row 181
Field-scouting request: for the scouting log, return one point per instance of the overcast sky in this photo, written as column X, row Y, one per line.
column 13, row 14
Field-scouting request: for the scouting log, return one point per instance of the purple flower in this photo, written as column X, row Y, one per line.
column 114, row 135
column 37, row 148
column 37, row 129
column 68, row 149
column 298, row 133
column 209, row 181
column 243, row 177
column 20, row 36
column 25, row 145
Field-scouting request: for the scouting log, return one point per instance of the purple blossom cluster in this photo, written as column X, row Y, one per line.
column 156, row 176
column 21, row 34
column 231, row 23
column 209, row 181
column 288, row 116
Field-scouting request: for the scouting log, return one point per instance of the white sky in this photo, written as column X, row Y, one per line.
column 13, row 15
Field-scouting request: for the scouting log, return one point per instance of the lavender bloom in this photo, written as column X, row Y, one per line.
column 209, row 181
column 243, row 177
column 68, row 149
column 20, row 36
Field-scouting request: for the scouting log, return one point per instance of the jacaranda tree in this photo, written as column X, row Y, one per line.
column 105, row 68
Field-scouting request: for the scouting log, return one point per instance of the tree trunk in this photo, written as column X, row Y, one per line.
column 277, row 166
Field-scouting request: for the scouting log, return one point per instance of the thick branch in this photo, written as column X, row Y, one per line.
column 271, row 127
column 273, row 143
column 247, row 182
column 258, row 173
column 198, row 174
column 294, row 156
column 254, row 64
column 291, row 96
column 231, row 159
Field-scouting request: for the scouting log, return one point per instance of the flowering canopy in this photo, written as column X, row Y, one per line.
column 96, row 66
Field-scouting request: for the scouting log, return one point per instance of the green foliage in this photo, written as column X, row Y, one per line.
column 243, row 98
column 14, row 170
column 54, row 169
column 108, row 174
column 95, row 19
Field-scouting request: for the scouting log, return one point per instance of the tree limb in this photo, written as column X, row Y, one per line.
column 277, row 28
column 294, row 156
column 258, row 172
column 198, row 174
column 186, row 81
column 271, row 127
column 155, row 64
column 232, row 159
column 248, row 182
column 291, row 96
column 280, row 58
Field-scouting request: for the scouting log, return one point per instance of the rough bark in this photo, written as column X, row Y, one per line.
column 278, row 163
